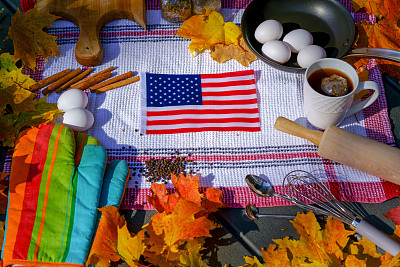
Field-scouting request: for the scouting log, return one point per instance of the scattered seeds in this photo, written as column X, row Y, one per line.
column 157, row 170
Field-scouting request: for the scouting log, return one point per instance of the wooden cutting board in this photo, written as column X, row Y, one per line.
column 90, row 16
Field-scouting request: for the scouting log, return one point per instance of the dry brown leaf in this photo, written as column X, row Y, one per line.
column 222, row 53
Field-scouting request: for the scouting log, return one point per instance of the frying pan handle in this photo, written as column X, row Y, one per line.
column 378, row 238
column 388, row 54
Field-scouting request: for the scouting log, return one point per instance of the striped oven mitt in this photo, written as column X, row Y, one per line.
column 56, row 186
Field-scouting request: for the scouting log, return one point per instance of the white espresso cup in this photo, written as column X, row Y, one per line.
column 322, row 110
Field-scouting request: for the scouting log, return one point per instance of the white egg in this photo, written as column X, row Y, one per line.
column 268, row 30
column 298, row 39
column 309, row 54
column 78, row 119
column 73, row 98
column 277, row 51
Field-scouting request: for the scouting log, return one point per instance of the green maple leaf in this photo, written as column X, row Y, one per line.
column 28, row 36
column 19, row 108
column 16, row 99
column 7, row 129
column 7, row 62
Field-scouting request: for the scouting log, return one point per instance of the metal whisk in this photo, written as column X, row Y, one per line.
column 308, row 192
column 305, row 190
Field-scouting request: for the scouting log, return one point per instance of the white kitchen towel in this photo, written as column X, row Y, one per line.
column 222, row 159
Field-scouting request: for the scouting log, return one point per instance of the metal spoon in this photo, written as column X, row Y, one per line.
column 263, row 188
column 253, row 214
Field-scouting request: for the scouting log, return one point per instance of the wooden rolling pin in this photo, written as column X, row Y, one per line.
column 350, row 149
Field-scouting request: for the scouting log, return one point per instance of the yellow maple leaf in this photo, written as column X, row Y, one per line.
column 28, row 36
column 193, row 255
column 312, row 238
column 275, row 257
column 208, row 30
column 252, row 262
column 130, row 248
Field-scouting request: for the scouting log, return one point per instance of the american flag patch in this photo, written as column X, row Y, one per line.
column 199, row 102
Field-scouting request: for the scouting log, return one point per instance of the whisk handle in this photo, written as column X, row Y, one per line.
column 378, row 238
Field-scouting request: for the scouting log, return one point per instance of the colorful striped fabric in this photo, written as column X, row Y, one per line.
column 55, row 189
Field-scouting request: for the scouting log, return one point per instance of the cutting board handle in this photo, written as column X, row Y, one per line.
column 88, row 50
column 293, row 128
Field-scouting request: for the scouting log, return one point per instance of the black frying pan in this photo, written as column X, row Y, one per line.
column 330, row 23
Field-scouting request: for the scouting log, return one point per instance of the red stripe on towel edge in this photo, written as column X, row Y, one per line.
column 239, row 197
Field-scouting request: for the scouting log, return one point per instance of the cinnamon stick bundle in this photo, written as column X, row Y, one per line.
column 75, row 85
column 117, row 84
column 74, row 80
column 112, row 80
column 61, row 81
column 89, row 82
column 46, row 81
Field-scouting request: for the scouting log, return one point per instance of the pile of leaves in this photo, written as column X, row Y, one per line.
column 175, row 235
column 332, row 245
column 19, row 107
column 384, row 33
column 211, row 32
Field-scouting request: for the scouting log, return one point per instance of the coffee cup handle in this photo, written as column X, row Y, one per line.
column 366, row 102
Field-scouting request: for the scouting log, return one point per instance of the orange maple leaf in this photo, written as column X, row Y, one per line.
column 160, row 199
column 182, row 223
column 380, row 8
column 383, row 34
column 353, row 261
column 394, row 215
column 187, row 187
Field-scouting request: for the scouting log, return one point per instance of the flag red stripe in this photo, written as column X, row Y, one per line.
column 230, row 93
column 227, row 74
column 204, row 129
column 216, row 120
column 226, row 84
column 230, row 102
column 201, row 111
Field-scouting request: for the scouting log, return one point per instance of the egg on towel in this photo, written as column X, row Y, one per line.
column 276, row 50
column 78, row 119
column 309, row 55
column 298, row 39
column 268, row 30
column 73, row 98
